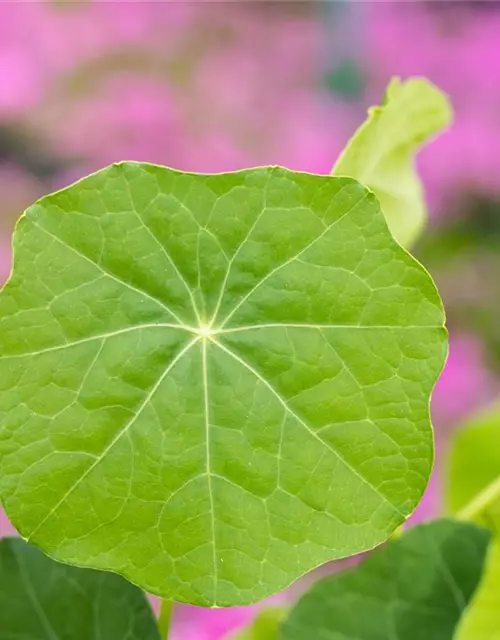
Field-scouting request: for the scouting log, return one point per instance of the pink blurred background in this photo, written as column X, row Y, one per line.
column 211, row 86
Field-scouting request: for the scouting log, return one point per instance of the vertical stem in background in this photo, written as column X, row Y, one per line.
column 478, row 507
column 165, row 618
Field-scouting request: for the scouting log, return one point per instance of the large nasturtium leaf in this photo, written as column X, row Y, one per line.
column 213, row 383
column 473, row 470
column 415, row 588
column 381, row 154
column 41, row 599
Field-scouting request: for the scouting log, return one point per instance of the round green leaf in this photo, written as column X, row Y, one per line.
column 213, row 383
column 415, row 588
column 43, row 600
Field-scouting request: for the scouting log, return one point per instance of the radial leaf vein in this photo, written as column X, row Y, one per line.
column 110, row 275
column 286, row 406
column 174, row 266
column 208, row 460
column 117, row 437
column 319, row 327
column 101, row 336
column 289, row 261
column 236, row 253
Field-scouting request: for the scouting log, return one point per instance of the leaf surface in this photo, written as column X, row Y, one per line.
column 381, row 154
column 415, row 588
column 41, row 599
column 213, row 383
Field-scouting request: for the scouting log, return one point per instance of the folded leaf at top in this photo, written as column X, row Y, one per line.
column 381, row 154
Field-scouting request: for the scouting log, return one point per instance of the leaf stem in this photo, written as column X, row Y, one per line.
column 165, row 618
column 479, row 505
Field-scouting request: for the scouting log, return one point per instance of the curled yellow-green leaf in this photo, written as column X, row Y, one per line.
column 381, row 154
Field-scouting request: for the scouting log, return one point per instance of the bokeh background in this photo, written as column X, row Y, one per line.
column 212, row 86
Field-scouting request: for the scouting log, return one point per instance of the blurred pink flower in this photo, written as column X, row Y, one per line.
column 20, row 87
column 194, row 623
column 216, row 86
column 129, row 117
column 458, row 50
column 40, row 40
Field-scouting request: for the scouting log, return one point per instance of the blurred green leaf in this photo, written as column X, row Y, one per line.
column 473, row 492
column 265, row 626
column 41, row 599
column 473, row 470
column 481, row 619
column 381, row 154
column 415, row 588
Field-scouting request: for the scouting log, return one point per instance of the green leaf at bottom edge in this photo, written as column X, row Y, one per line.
column 481, row 619
column 41, row 599
column 415, row 588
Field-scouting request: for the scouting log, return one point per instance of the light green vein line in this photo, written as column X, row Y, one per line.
column 209, row 461
column 319, row 327
column 200, row 227
column 117, row 437
column 32, row 596
column 102, row 336
column 174, row 266
column 304, row 424
column 110, row 275
column 162, row 247
column 290, row 260
column 235, row 254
